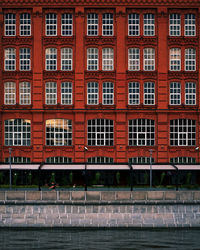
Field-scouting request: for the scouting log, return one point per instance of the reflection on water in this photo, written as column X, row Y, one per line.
column 99, row 239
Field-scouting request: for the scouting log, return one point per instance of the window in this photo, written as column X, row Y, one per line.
column 92, row 59
column 51, row 24
column 66, row 93
column 175, row 59
column 190, row 25
column 107, row 24
column 92, row 93
column 25, row 24
column 182, row 132
column 66, row 59
column 100, row 132
column 174, row 25
column 67, row 25
column 190, row 93
column 108, row 93
column 9, row 93
column 134, row 59
column 51, row 59
column 51, row 93
column 149, row 59
column 92, row 24
column 25, row 93
column 183, row 160
column 149, row 93
column 17, row 132
column 149, row 25
column 100, row 160
column 24, row 59
column 10, row 24
column 18, row 159
column 59, row 159
column 133, row 24
column 107, row 59
column 140, row 160
column 175, row 93
column 133, row 93
column 10, row 59
column 58, row 132
column 190, row 59
column 141, row 132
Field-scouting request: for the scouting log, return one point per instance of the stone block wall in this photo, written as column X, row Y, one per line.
column 148, row 209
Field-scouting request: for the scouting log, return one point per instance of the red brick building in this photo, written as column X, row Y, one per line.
column 99, row 81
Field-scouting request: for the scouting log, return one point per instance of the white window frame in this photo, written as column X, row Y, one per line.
column 92, row 93
column 61, row 129
column 141, row 132
column 10, row 59
column 149, row 93
column 24, row 93
column 25, row 24
column 107, row 59
column 182, row 132
column 100, row 132
column 58, row 159
column 183, row 160
column 25, row 59
column 92, row 24
column 66, row 59
column 9, row 93
column 17, row 132
column 18, row 159
column 92, row 59
column 174, row 24
column 100, row 160
column 149, row 59
column 134, row 59
column 51, row 59
column 175, row 93
column 140, row 160
column 190, row 59
column 66, row 93
column 133, row 93
column 51, row 24
column 149, row 24
column 107, row 24
column 51, row 93
column 190, row 93
column 175, row 59
column 133, row 24
column 67, row 24
column 108, row 93
column 190, row 25
column 10, row 24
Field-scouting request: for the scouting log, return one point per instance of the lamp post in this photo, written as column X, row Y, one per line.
column 10, row 171
column 150, row 150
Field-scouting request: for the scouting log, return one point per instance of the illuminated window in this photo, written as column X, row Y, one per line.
column 149, row 59
column 175, row 59
column 58, row 132
column 107, row 59
column 9, row 93
column 51, row 59
column 10, row 59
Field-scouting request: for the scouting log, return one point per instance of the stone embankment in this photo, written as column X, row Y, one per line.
column 137, row 209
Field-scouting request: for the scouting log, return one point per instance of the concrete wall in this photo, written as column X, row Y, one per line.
column 100, row 209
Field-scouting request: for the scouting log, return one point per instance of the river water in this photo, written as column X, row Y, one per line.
column 94, row 239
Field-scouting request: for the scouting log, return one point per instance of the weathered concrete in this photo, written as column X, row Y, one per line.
column 157, row 209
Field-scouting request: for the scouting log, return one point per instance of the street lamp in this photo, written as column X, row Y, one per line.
column 150, row 150
column 10, row 172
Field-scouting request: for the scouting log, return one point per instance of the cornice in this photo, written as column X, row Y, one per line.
column 183, row 3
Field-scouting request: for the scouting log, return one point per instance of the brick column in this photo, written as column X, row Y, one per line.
column 80, row 133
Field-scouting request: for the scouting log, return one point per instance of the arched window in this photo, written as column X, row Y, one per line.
column 17, row 132
column 141, row 132
column 58, row 132
column 183, row 160
column 182, row 132
column 58, row 159
column 100, row 132
column 100, row 159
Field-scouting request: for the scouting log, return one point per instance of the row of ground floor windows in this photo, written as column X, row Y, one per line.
column 101, row 160
column 100, row 132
